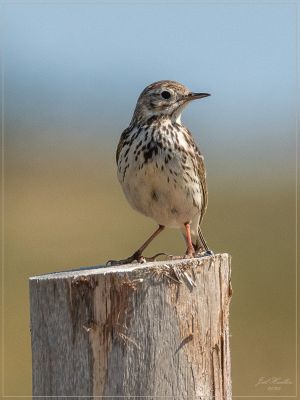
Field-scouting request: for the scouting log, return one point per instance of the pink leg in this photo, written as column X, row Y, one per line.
column 190, row 252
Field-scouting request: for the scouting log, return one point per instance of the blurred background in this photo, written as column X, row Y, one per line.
column 71, row 76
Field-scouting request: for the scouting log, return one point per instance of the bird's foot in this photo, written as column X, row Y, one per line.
column 153, row 258
column 185, row 256
column 174, row 258
column 136, row 257
column 190, row 252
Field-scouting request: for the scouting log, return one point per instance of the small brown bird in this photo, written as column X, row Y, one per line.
column 160, row 167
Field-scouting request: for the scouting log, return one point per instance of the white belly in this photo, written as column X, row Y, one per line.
column 170, row 202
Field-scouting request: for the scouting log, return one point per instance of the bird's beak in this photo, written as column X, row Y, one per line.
column 195, row 96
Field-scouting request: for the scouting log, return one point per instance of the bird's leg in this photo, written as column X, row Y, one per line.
column 190, row 252
column 137, row 256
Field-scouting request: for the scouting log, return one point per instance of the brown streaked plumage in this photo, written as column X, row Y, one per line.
column 160, row 167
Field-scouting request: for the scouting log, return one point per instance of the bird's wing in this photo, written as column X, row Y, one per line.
column 202, row 177
column 201, row 173
column 123, row 138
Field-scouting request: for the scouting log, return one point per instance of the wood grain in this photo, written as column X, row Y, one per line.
column 155, row 329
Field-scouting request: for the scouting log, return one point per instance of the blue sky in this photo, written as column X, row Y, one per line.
column 80, row 67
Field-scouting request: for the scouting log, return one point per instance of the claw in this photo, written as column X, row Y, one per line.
column 185, row 256
column 129, row 260
column 153, row 258
column 135, row 257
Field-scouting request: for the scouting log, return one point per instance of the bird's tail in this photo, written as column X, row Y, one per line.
column 201, row 242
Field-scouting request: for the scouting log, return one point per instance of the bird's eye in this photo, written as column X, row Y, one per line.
column 165, row 94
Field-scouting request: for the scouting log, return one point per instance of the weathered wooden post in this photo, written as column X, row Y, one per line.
column 155, row 329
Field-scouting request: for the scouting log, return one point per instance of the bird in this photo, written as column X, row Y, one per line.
column 161, row 169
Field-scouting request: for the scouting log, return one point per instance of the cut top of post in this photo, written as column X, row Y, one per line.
column 135, row 267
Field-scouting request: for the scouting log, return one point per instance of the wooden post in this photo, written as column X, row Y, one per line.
column 156, row 329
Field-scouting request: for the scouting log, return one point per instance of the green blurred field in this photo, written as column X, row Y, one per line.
column 65, row 209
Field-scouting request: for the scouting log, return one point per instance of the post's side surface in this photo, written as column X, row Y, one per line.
column 155, row 329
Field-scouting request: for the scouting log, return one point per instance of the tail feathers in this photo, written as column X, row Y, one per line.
column 202, row 241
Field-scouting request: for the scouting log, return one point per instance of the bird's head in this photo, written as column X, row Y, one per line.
column 164, row 99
